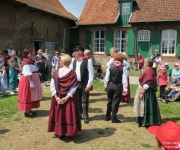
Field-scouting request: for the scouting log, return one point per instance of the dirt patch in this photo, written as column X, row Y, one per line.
column 22, row 133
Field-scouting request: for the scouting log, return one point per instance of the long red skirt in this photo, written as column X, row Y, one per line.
column 128, row 96
column 29, row 98
column 64, row 118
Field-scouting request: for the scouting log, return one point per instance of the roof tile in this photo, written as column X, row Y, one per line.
column 50, row 6
column 99, row 12
column 156, row 10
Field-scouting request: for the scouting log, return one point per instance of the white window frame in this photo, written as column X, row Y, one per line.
column 119, row 48
column 126, row 7
column 168, row 39
column 144, row 36
column 98, row 49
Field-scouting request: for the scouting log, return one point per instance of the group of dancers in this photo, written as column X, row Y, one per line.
column 70, row 89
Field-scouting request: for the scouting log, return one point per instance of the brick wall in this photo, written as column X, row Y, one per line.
column 16, row 27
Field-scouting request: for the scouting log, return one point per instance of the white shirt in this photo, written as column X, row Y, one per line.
column 90, row 70
column 111, row 61
column 124, row 79
column 28, row 69
column 62, row 72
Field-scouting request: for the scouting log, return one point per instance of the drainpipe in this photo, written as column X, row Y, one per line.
column 64, row 37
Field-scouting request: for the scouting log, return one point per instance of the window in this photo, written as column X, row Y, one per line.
column 126, row 7
column 99, row 41
column 120, row 41
column 144, row 35
column 169, row 41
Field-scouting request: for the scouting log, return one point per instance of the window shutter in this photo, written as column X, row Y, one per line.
column 130, row 42
column 178, row 43
column 156, row 37
column 89, row 40
column 109, row 37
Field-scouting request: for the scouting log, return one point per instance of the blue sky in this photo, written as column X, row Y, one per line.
column 75, row 7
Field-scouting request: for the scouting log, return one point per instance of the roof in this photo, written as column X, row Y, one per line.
column 156, row 10
column 99, row 12
column 50, row 6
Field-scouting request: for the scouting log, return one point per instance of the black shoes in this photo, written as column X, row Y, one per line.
column 30, row 114
column 86, row 120
column 107, row 118
column 116, row 121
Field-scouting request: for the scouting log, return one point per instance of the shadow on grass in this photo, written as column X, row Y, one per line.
column 127, row 104
column 95, row 110
column 87, row 135
column 3, row 131
column 97, row 100
column 97, row 94
column 41, row 113
column 175, row 119
column 102, row 117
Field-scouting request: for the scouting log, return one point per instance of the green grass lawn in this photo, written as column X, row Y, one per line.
column 8, row 105
column 134, row 73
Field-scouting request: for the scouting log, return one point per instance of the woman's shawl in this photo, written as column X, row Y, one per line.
column 64, row 83
column 27, row 61
column 149, row 77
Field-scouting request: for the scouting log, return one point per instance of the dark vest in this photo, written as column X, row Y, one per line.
column 116, row 74
column 83, row 70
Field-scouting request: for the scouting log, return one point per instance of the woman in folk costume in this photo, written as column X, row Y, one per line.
column 126, row 97
column 64, row 117
column 30, row 92
column 145, row 103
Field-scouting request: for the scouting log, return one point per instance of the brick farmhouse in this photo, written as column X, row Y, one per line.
column 132, row 26
column 35, row 24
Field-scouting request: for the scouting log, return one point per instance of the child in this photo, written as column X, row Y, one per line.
column 163, row 81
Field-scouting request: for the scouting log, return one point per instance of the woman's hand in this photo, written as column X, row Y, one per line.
column 141, row 96
column 58, row 100
column 64, row 99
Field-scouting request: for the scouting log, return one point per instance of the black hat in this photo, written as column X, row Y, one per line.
column 64, row 50
column 79, row 48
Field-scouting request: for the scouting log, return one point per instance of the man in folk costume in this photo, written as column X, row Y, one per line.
column 85, row 74
column 114, row 86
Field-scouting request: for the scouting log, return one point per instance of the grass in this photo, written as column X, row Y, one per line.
column 8, row 105
column 134, row 73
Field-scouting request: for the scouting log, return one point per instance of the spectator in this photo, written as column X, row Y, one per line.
column 3, row 80
column 163, row 81
column 175, row 73
column 48, row 57
column 41, row 65
column 167, row 135
column 156, row 57
column 168, row 69
column 13, row 71
column 140, row 62
column 10, row 49
column 64, row 51
column 55, row 61
column 1, row 59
